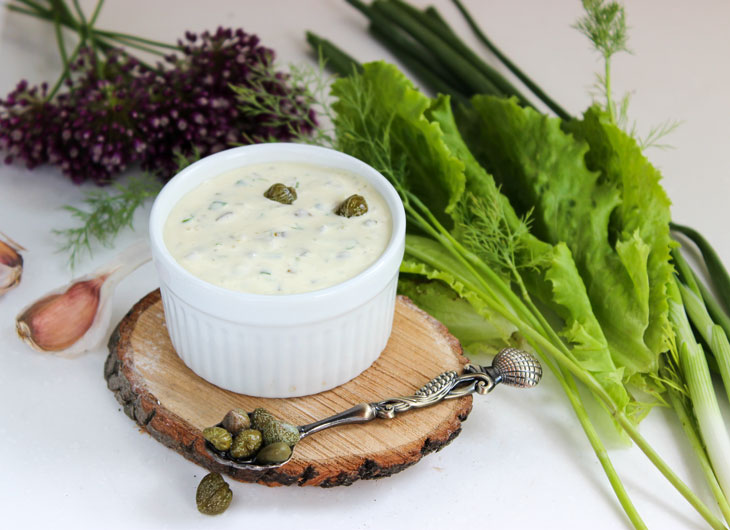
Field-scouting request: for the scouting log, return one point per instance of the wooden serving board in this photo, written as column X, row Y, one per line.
column 174, row 405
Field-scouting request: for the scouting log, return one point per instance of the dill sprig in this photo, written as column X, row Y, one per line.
column 605, row 26
column 274, row 110
column 107, row 212
column 358, row 136
column 484, row 229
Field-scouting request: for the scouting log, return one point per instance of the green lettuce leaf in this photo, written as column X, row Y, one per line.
column 441, row 170
column 643, row 215
column 478, row 332
column 543, row 170
column 553, row 273
column 384, row 106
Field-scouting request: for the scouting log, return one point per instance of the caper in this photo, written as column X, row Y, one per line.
column 236, row 420
column 279, row 431
column 220, row 438
column 213, row 495
column 353, row 206
column 246, row 443
column 280, row 193
column 275, row 453
column 260, row 418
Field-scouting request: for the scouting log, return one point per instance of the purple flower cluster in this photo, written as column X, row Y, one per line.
column 116, row 112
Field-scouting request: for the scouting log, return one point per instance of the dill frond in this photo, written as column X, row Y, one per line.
column 364, row 138
column 605, row 25
column 107, row 212
column 656, row 133
column 308, row 101
column 483, row 228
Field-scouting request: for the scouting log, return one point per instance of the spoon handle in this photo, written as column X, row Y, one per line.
column 510, row 366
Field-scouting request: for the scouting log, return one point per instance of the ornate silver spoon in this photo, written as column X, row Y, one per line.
column 510, row 366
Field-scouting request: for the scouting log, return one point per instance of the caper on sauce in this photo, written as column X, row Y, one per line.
column 353, row 206
column 266, row 440
column 281, row 193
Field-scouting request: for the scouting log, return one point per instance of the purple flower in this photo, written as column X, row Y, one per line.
column 114, row 112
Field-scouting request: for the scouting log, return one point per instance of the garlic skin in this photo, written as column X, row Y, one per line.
column 11, row 264
column 75, row 318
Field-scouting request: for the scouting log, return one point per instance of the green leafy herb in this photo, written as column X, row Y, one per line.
column 107, row 212
column 605, row 25
column 273, row 110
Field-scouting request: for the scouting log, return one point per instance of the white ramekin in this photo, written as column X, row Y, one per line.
column 277, row 345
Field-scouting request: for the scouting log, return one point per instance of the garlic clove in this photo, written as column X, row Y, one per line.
column 57, row 321
column 75, row 318
column 11, row 264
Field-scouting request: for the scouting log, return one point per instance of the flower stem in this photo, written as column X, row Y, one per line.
column 132, row 44
column 79, row 11
column 64, row 74
column 59, row 39
column 117, row 35
column 95, row 13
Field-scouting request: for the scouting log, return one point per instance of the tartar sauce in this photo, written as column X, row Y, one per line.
column 227, row 233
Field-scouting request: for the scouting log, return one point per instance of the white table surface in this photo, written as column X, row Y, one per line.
column 69, row 458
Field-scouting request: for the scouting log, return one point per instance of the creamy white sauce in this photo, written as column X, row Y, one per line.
column 227, row 233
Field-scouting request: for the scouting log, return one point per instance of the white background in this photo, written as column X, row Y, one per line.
column 69, row 458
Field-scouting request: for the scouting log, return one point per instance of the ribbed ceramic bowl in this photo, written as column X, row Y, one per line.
column 277, row 345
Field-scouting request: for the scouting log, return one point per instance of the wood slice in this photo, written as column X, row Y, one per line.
column 174, row 405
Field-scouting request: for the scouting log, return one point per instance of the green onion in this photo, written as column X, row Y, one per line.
column 470, row 76
column 529, row 83
column 682, row 408
column 696, row 374
column 402, row 11
column 712, row 333
column 407, row 53
column 718, row 273
column 687, row 275
column 339, row 61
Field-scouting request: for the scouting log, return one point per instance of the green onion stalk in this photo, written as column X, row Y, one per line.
column 696, row 373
